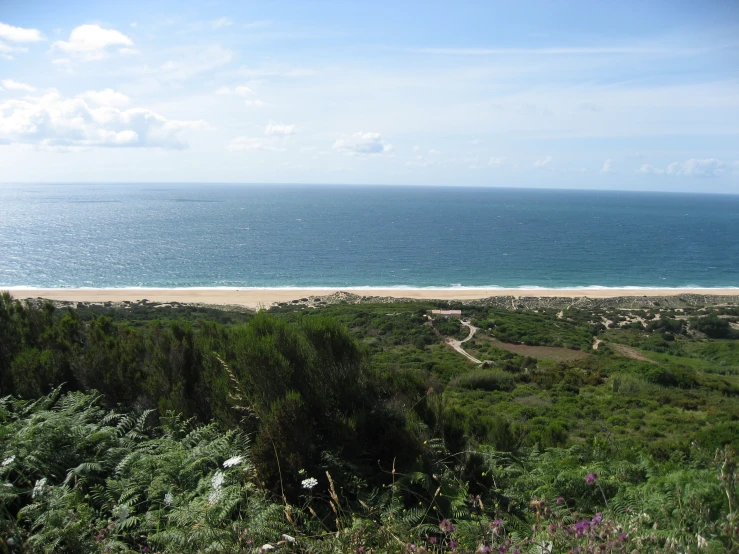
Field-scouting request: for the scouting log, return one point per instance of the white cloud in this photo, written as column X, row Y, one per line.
column 19, row 34
column 221, row 22
column 52, row 121
column 190, row 66
column 543, row 162
column 10, row 84
column 362, row 143
column 243, row 91
column 278, row 129
column 647, row 169
column 106, row 97
column 416, row 148
column 7, row 51
column 709, row 167
column 607, row 167
column 250, row 98
column 92, row 41
column 496, row 161
column 241, row 144
column 279, row 71
column 557, row 51
column 257, row 24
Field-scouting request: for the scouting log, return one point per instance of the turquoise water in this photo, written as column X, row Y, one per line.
column 104, row 236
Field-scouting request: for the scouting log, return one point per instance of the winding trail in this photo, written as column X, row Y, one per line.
column 457, row 344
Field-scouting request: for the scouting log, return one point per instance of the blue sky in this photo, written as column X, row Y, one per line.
column 605, row 95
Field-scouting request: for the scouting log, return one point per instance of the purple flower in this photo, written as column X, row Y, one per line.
column 623, row 536
column 598, row 518
column 591, row 478
column 497, row 522
column 560, row 500
column 452, row 544
column 582, row 527
column 432, row 540
column 446, row 526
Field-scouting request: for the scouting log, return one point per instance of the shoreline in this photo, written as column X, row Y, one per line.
column 254, row 298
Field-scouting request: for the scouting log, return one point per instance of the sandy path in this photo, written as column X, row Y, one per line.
column 457, row 344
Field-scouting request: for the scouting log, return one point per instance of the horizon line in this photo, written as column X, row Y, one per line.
column 408, row 185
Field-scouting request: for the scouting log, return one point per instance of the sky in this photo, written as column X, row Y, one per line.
column 639, row 95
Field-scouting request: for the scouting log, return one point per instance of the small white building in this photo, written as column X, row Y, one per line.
column 447, row 313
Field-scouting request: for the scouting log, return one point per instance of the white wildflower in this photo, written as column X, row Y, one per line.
column 236, row 460
column 9, row 460
column 217, row 480
column 120, row 511
column 38, row 488
column 217, row 483
column 309, row 483
column 288, row 538
column 702, row 543
column 169, row 499
column 266, row 547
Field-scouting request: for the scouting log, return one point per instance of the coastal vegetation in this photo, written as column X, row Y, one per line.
column 354, row 427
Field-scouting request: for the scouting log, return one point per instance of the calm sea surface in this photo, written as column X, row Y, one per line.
column 331, row 236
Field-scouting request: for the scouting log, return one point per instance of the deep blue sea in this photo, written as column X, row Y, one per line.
column 109, row 236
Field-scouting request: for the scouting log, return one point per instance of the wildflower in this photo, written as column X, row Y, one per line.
column 702, row 543
column 560, row 500
column 120, row 511
column 288, row 538
column 597, row 519
column 234, row 461
column 9, row 460
column 217, row 482
column 591, row 478
column 266, row 547
column 582, row 527
column 169, row 499
column 452, row 544
column 309, row 483
column 38, row 488
column 432, row 540
column 446, row 526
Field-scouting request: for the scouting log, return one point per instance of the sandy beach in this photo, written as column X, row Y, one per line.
column 255, row 298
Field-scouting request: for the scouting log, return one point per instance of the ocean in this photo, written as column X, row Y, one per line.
column 182, row 236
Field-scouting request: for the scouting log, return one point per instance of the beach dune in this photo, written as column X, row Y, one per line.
column 255, row 298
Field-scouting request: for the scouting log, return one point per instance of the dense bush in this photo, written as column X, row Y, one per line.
column 713, row 326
